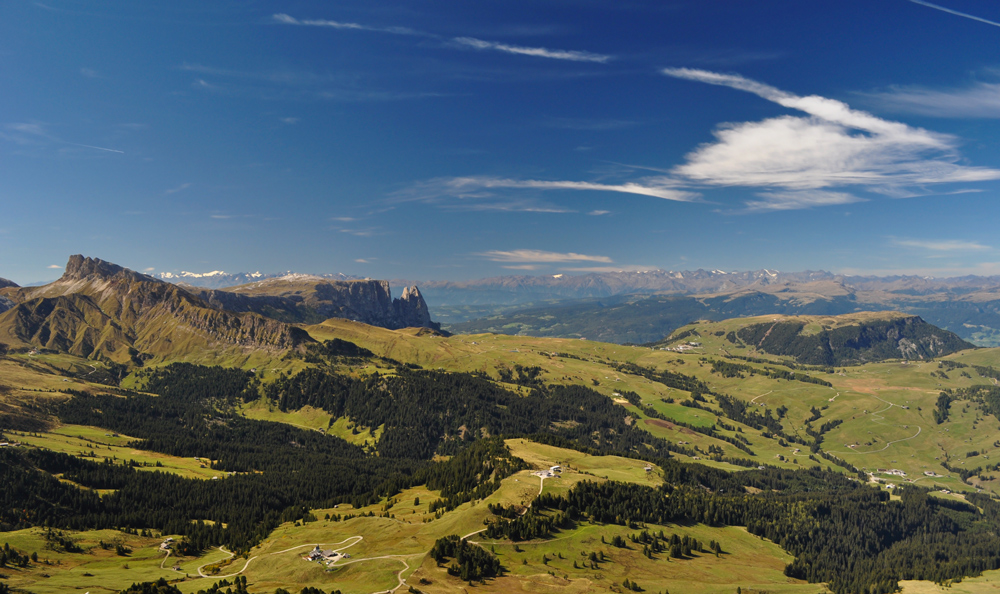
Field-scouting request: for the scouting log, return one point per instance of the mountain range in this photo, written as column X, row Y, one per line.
column 641, row 306
column 103, row 311
column 218, row 279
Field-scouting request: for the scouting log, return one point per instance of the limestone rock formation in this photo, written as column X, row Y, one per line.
column 309, row 299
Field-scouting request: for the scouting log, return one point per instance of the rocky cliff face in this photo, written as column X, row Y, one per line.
column 411, row 309
column 304, row 299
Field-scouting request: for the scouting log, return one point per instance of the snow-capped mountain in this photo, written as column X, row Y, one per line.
column 218, row 279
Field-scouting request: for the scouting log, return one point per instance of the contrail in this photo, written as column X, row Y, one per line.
column 100, row 148
column 955, row 12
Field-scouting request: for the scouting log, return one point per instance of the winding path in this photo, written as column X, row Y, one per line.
column 761, row 396
column 399, row 575
column 247, row 564
column 877, row 418
column 886, row 445
column 162, row 563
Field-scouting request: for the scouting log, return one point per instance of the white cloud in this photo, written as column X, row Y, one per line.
column 796, row 200
column 361, row 261
column 540, row 256
column 834, row 146
column 285, row 19
column 89, row 73
column 955, row 12
column 943, row 245
column 981, row 100
column 369, row 232
column 290, row 120
column 597, row 213
column 150, row 269
column 522, row 267
column 343, row 219
column 657, row 187
column 179, row 188
column 538, row 52
column 54, row 266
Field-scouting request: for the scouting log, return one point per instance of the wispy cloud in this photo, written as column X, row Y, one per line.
column 480, row 44
column 502, row 205
column 820, row 159
column 89, row 73
column 955, row 12
column 290, row 121
column 285, row 19
column 150, row 269
column 179, row 188
column 26, row 134
column 343, row 219
column 538, row 52
column 53, row 266
column 797, row 200
column 980, row 100
column 367, row 232
column 629, row 268
column 597, row 213
column 474, row 186
column 540, row 256
column 835, row 146
column 204, row 84
column 943, row 245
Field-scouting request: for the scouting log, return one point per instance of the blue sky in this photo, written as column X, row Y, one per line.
column 457, row 140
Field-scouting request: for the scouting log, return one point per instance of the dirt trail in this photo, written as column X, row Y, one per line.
column 766, row 334
column 399, row 575
column 247, row 564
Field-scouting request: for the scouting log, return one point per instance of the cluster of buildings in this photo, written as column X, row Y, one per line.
column 685, row 346
column 552, row 472
column 319, row 555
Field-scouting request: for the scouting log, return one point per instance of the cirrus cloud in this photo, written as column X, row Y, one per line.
column 943, row 245
column 834, row 146
column 541, row 256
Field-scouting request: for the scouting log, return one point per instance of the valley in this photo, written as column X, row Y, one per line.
column 728, row 437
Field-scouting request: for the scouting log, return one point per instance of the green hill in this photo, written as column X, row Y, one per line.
column 897, row 337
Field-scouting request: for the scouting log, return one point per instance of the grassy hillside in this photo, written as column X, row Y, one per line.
column 385, row 549
column 719, row 402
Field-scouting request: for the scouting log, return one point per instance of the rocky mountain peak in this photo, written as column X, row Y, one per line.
column 411, row 309
column 4, row 283
column 80, row 268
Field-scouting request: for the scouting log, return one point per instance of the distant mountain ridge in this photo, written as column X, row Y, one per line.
column 967, row 305
column 218, row 279
column 524, row 288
